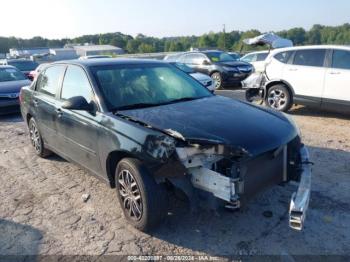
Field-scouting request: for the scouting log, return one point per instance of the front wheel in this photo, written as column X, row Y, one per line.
column 278, row 97
column 218, row 79
column 143, row 200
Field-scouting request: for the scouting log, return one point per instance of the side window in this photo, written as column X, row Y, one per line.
column 341, row 59
column 198, row 59
column 310, row 57
column 189, row 59
column 181, row 59
column 49, row 80
column 261, row 57
column 283, row 57
column 76, row 83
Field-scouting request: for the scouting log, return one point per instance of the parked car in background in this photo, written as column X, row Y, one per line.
column 220, row 66
column 308, row 75
column 11, row 82
column 236, row 56
column 145, row 127
column 205, row 80
column 25, row 66
column 33, row 74
column 257, row 59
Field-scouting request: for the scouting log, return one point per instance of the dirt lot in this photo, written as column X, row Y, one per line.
column 42, row 211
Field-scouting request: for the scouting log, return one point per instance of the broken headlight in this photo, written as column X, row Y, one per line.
column 160, row 147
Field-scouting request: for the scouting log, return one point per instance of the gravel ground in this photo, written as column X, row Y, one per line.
column 42, row 210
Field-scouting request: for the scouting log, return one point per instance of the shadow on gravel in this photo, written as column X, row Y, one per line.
column 11, row 118
column 18, row 242
column 317, row 112
column 261, row 227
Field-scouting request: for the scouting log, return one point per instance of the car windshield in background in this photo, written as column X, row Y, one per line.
column 24, row 65
column 136, row 86
column 235, row 57
column 11, row 74
column 219, row 57
column 184, row 68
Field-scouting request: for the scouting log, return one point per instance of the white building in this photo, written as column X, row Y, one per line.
column 88, row 50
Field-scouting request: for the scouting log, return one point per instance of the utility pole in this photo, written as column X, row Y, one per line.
column 224, row 32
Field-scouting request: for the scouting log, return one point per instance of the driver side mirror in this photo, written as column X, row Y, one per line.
column 77, row 103
column 206, row 62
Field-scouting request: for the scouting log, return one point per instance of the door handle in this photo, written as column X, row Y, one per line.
column 293, row 69
column 59, row 112
column 334, row 73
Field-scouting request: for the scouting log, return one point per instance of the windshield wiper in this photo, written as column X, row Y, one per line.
column 135, row 106
column 181, row 100
column 144, row 105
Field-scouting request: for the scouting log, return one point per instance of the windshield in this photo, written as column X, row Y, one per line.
column 235, row 56
column 184, row 68
column 219, row 57
column 24, row 65
column 11, row 74
column 136, row 86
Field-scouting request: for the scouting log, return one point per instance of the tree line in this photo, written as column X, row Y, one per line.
column 229, row 41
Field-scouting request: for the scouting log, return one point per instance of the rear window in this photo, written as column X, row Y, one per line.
column 310, row 57
column 24, row 65
column 341, row 59
column 11, row 74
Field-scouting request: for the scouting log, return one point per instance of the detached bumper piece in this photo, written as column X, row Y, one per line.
column 300, row 199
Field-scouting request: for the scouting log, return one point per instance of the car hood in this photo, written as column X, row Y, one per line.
column 201, row 77
column 13, row 86
column 218, row 118
column 233, row 63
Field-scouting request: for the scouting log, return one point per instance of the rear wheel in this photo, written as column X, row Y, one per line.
column 218, row 79
column 279, row 98
column 143, row 200
column 37, row 140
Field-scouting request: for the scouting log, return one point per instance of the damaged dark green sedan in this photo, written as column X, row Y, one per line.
column 146, row 127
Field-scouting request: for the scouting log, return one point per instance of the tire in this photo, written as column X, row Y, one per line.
column 37, row 140
column 218, row 80
column 279, row 98
column 144, row 202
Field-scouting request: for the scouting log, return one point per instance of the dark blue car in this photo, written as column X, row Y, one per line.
column 11, row 82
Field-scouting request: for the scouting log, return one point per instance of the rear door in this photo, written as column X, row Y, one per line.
column 44, row 102
column 337, row 81
column 306, row 74
column 79, row 129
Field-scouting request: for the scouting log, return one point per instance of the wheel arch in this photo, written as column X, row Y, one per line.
column 112, row 161
column 273, row 82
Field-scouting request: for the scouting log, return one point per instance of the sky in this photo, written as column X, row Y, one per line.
column 70, row 18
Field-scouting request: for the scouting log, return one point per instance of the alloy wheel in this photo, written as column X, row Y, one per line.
column 277, row 99
column 130, row 195
column 216, row 77
column 35, row 137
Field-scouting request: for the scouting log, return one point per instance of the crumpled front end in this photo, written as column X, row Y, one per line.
column 232, row 175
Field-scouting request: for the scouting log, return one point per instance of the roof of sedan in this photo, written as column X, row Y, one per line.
column 111, row 61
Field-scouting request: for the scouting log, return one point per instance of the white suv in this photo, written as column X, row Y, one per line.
column 307, row 75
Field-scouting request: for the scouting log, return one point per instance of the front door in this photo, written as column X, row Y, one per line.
column 79, row 129
column 337, row 81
